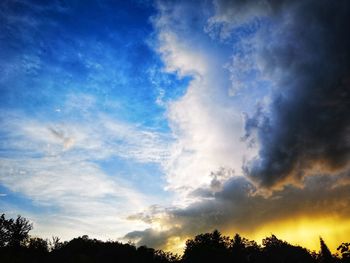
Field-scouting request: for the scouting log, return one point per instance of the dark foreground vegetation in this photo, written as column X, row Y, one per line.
column 16, row 245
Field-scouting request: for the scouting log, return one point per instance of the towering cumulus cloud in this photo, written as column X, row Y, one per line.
column 306, row 128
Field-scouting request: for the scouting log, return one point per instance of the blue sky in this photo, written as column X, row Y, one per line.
column 117, row 117
column 65, row 67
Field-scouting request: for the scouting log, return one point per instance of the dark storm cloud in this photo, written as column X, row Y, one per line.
column 307, row 125
column 239, row 206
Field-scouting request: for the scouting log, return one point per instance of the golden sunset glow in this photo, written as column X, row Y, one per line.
column 306, row 232
column 175, row 245
column 302, row 231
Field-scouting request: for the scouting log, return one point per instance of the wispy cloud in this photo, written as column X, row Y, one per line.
column 54, row 164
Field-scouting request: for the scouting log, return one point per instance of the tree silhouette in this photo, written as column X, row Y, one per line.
column 276, row 250
column 244, row 250
column 38, row 244
column 325, row 255
column 54, row 243
column 344, row 249
column 4, row 231
column 166, row 257
column 19, row 230
column 14, row 233
column 209, row 247
column 18, row 247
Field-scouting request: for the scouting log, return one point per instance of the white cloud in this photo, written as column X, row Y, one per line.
column 97, row 137
column 206, row 124
column 179, row 57
column 77, row 193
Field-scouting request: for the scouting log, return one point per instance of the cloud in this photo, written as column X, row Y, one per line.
column 297, row 54
column 70, row 193
column 107, row 137
column 151, row 237
column 206, row 126
column 239, row 207
column 71, row 189
column 305, row 128
column 300, row 126
column 67, row 142
column 56, row 166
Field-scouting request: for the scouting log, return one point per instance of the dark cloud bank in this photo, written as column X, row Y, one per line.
column 303, row 135
column 307, row 125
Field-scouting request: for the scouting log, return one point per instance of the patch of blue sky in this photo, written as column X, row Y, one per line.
column 139, row 176
column 5, row 152
column 15, row 201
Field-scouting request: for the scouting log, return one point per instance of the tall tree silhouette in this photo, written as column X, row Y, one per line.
column 209, row 247
column 4, row 231
column 244, row 250
column 14, row 233
column 325, row 255
column 19, row 231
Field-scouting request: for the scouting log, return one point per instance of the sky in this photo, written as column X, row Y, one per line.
column 154, row 121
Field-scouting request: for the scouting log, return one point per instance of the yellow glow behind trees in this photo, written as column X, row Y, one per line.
column 303, row 231
column 306, row 232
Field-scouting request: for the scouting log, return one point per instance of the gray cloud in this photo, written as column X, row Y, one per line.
column 306, row 127
column 151, row 237
column 240, row 207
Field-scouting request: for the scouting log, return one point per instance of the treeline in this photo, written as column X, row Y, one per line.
column 16, row 245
